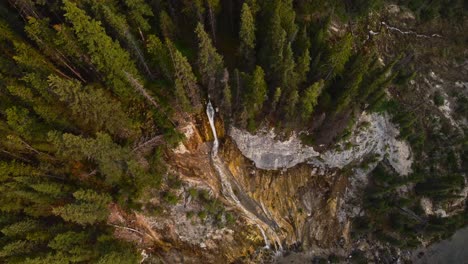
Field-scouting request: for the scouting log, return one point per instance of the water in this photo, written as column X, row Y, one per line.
column 255, row 213
column 210, row 113
column 453, row 250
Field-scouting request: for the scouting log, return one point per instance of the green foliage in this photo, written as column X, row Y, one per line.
column 184, row 80
column 257, row 92
column 210, row 63
column 110, row 157
column 310, row 99
column 107, row 55
column 168, row 28
column 339, row 55
column 160, row 56
column 138, row 10
column 247, row 34
column 92, row 107
column 89, row 208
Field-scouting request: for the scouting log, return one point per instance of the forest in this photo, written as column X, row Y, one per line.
column 85, row 85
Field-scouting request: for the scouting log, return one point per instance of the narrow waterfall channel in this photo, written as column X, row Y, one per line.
column 233, row 192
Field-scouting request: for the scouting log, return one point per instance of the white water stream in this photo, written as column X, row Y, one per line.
column 227, row 181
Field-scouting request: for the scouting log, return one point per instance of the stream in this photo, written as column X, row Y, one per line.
column 235, row 194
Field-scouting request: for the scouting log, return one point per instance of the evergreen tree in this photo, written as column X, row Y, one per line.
column 309, row 99
column 161, row 56
column 89, row 208
column 92, row 106
column 210, row 63
column 352, row 80
column 257, row 94
column 184, row 80
column 274, row 43
column 338, row 56
column 106, row 54
column 138, row 10
column 168, row 28
column 302, row 46
column 227, row 94
column 247, row 34
column 110, row 157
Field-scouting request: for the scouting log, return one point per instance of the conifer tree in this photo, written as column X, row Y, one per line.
column 89, row 208
column 227, row 94
column 257, row 94
column 110, row 157
column 274, row 43
column 290, row 107
column 92, row 106
column 247, row 34
column 161, row 56
column 106, row 54
column 288, row 77
column 138, row 11
column 352, row 80
column 210, row 63
column 184, row 80
column 168, row 28
column 338, row 56
column 276, row 99
column 309, row 99
column 302, row 46
column 19, row 120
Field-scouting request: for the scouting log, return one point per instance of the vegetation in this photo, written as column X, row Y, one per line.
column 86, row 85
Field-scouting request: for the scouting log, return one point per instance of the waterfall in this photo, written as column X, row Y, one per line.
column 239, row 198
column 265, row 238
column 210, row 113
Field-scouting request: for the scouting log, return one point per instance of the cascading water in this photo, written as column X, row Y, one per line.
column 210, row 113
column 251, row 209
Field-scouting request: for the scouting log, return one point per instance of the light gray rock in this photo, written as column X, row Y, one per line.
column 270, row 154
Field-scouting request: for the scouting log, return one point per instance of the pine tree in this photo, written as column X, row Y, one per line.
column 106, row 54
column 290, row 107
column 302, row 46
column 138, row 10
column 257, row 94
column 89, row 208
column 288, row 76
column 288, row 17
column 210, row 63
column 19, row 120
column 351, row 81
column 227, row 95
column 274, row 43
column 309, row 99
column 247, row 35
column 168, row 28
column 184, row 79
column 160, row 56
column 110, row 157
column 73, row 246
column 276, row 99
column 92, row 107
column 338, row 56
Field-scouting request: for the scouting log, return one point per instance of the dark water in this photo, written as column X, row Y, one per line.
column 450, row 251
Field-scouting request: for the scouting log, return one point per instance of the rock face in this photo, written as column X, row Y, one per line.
column 373, row 135
column 270, row 154
column 304, row 193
